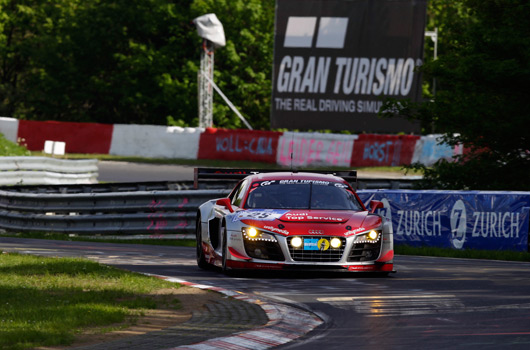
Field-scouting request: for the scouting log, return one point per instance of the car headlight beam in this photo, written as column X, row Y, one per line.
column 296, row 242
column 370, row 237
column 253, row 234
column 335, row 242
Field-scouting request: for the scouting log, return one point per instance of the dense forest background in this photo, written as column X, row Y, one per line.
column 131, row 61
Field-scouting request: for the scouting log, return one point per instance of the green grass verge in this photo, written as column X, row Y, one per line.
column 8, row 148
column 47, row 301
column 401, row 249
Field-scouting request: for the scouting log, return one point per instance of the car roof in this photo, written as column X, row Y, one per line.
column 288, row 175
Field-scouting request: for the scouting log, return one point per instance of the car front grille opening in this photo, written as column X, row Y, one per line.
column 264, row 250
column 365, row 252
column 315, row 249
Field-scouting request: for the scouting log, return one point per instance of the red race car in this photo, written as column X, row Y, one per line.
column 292, row 221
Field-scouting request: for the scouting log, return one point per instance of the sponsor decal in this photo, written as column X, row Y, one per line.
column 316, row 244
column 323, row 244
column 295, row 216
column 494, row 224
column 493, row 221
column 357, row 230
column 275, row 229
column 307, row 217
column 323, row 218
column 458, row 224
column 259, row 214
column 485, row 224
column 302, row 182
column 254, row 146
column 361, row 268
column 311, row 244
column 419, row 222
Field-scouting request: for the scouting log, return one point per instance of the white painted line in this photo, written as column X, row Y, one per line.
column 385, row 297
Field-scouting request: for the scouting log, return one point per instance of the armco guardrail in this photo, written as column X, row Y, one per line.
column 136, row 212
column 152, row 208
column 44, row 170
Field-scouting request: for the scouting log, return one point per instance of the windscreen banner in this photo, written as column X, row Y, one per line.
column 335, row 61
column 456, row 219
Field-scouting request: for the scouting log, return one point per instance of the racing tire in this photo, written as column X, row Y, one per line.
column 201, row 260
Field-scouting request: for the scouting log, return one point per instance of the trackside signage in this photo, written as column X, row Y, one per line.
column 456, row 219
column 336, row 60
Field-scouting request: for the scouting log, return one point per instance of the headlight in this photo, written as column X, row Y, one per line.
column 296, row 242
column 370, row 237
column 253, row 234
column 335, row 242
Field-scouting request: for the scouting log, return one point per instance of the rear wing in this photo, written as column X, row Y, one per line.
column 226, row 174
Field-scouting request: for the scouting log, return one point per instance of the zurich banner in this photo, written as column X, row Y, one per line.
column 335, row 61
column 456, row 219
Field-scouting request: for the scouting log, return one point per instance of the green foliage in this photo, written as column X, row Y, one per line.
column 403, row 249
column 111, row 62
column 481, row 99
column 130, row 61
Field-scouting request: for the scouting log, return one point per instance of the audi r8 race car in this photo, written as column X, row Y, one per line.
column 292, row 220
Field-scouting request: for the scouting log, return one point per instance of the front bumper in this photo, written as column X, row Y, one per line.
column 352, row 256
column 368, row 268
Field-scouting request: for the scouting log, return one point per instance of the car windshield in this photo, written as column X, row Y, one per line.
column 301, row 194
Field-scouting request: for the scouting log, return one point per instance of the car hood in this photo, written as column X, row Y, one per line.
column 297, row 222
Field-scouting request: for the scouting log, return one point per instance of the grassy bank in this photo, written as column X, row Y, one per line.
column 47, row 301
column 465, row 253
column 10, row 149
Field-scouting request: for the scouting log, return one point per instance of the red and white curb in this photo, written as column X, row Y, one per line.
column 285, row 324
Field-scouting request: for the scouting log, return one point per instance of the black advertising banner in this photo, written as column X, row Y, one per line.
column 335, row 61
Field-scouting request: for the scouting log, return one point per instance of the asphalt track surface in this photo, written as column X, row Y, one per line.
column 111, row 171
column 430, row 303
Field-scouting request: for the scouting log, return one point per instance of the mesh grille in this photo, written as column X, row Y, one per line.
column 365, row 251
column 307, row 251
column 264, row 250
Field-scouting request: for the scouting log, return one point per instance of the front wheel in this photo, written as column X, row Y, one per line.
column 201, row 261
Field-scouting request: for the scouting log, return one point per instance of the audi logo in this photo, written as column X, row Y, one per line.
column 316, row 232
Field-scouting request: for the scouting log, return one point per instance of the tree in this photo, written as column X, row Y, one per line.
column 21, row 24
column 112, row 62
column 131, row 61
column 481, row 100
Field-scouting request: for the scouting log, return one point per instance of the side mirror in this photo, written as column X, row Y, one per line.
column 374, row 205
column 225, row 202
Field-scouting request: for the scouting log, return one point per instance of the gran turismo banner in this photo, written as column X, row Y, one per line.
column 483, row 220
column 335, row 61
